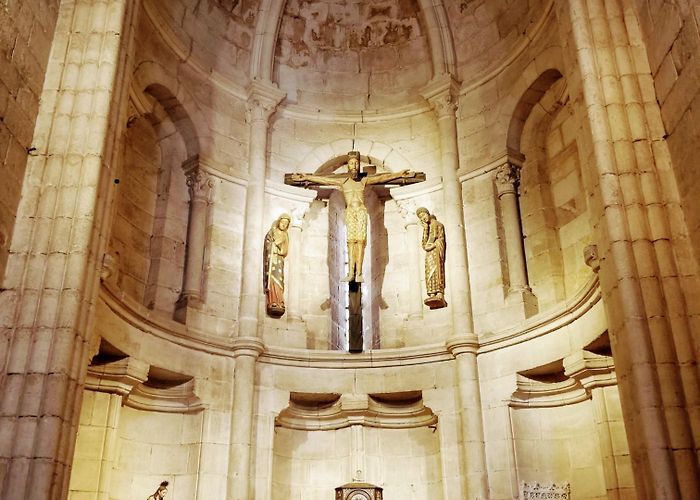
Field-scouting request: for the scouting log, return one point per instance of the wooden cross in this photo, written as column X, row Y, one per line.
column 353, row 184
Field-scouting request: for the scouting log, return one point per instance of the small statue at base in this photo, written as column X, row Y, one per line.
column 274, row 252
column 433, row 243
column 160, row 492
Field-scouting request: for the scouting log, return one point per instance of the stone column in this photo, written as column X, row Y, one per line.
column 246, row 352
column 507, row 180
column 262, row 101
column 648, row 314
column 464, row 348
column 442, row 96
column 51, row 282
column 200, row 186
column 442, row 93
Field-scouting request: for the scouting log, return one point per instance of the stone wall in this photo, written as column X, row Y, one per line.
column 26, row 33
column 669, row 30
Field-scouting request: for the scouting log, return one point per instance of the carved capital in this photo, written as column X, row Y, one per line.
column 507, row 178
column 200, row 184
column 110, row 267
column 591, row 257
column 263, row 99
column 442, row 93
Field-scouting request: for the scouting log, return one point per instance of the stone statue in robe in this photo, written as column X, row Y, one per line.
column 433, row 242
column 274, row 251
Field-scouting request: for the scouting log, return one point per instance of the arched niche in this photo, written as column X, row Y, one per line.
column 552, row 203
column 149, row 230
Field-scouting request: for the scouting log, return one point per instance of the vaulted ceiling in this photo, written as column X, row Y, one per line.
column 350, row 54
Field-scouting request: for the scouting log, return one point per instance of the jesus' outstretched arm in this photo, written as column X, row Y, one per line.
column 318, row 179
column 389, row 176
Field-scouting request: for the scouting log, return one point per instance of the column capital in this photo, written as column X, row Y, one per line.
column 199, row 182
column 263, row 99
column 442, row 93
column 507, row 178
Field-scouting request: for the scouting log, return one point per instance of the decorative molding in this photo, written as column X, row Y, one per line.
column 248, row 346
column 179, row 398
column 297, row 112
column 590, row 369
column 542, row 491
column 545, row 322
column 328, row 411
column 116, row 376
column 145, row 321
column 489, row 167
column 464, row 344
column 406, row 356
column 536, row 394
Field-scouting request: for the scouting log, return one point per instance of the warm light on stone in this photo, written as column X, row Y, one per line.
column 144, row 147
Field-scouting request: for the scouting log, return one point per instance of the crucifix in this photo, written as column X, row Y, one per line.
column 353, row 184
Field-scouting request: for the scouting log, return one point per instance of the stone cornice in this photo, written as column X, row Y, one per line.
column 143, row 320
column 177, row 399
column 536, row 394
column 335, row 411
column 248, row 346
column 296, row 112
column 116, row 377
column 545, row 322
column 463, row 344
column 590, row 369
column 368, row 359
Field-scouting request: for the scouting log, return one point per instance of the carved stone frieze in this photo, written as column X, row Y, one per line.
column 549, row 491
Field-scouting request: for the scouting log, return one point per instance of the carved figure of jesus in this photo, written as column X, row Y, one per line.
column 353, row 187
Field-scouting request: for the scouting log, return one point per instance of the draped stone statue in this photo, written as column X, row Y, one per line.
column 274, row 251
column 433, row 243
